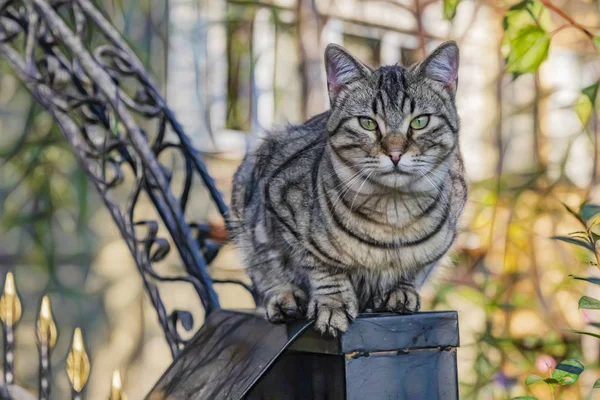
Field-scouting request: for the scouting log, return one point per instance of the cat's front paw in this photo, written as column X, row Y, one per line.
column 285, row 305
column 333, row 313
column 403, row 299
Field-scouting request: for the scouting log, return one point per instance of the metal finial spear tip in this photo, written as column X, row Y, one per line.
column 45, row 311
column 78, row 340
column 116, row 380
column 9, row 285
column 46, row 328
column 78, row 363
column 10, row 305
column 116, row 387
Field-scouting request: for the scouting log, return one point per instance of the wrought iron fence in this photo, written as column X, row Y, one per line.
column 118, row 125
column 100, row 95
column 78, row 363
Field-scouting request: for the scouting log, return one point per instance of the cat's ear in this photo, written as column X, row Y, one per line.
column 442, row 65
column 342, row 69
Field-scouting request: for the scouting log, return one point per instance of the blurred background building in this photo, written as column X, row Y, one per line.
column 232, row 69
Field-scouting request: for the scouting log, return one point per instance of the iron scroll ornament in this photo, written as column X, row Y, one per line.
column 96, row 97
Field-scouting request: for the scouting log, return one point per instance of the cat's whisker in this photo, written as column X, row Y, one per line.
column 346, row 189
column 358, row 191
column 350, row 183
column 435, row 185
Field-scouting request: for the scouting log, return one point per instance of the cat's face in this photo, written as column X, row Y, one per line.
column 396, row 125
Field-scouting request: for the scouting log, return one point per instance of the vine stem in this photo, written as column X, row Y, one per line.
column 567, row 18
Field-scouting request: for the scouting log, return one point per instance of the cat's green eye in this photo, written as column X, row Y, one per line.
column 367, row 123
column 420, row 122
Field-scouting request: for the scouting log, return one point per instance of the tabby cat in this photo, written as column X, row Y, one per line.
column 351, row 210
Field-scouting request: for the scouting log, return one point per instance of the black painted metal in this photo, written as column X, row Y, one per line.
column 230, row 352
column 382, row 356
column 384, row 332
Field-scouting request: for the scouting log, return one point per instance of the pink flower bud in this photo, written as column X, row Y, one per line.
column 545, row 363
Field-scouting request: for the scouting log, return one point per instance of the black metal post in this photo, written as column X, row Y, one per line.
column 9, row 354
column 46, row 339
column 382, row 356
column 10, row 315
column 45, row 373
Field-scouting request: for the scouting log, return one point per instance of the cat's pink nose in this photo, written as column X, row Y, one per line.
column 395, row 156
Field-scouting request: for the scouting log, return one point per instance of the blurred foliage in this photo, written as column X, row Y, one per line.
column 505, row 350
column 568, row 371
column 44, row 196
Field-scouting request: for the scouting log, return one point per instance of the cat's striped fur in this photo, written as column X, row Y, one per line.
column 325, row 221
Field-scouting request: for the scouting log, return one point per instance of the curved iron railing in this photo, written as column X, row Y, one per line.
column 97, row 96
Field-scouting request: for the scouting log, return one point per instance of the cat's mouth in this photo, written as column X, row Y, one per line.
column 398, row 170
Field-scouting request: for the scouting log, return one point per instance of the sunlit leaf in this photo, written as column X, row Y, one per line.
column 528, row 49
column 522, row 18
column 568, row 371
column 595, row 281
column 589, row 211
column 586, row 333
column 597, row 43
column 450, row 8
column 583, row 108
column 523, row 14
column 532, row 379
column 577, row 242
column 589, row 303
column 521, row 5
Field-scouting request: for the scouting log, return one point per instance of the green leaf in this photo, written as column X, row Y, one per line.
column 597, row 384
column 524, row 13
column 532, row 379
column 568, row 371
column 521, row 5
column 595, row 281
column 525, row 398
column 528, row 49
column 584, row 106
column 597, row 43
column 589, row 211
column 450, row 8
column 589, row 303
column 591, row 92
column 585, row 333
column 574, row 213
column 583, row 109
column 577, row 242
column 552, row 381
